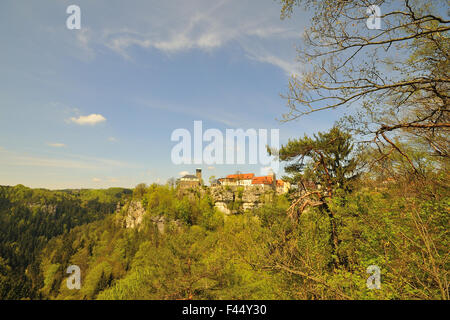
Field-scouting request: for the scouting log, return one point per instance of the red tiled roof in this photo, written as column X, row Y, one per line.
column 262, row 180
column 242, row 176
column 280, row 183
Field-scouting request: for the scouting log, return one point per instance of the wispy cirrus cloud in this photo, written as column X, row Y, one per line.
column 122, row 42
column 67, row 161
column 289, row 67
column 177, row 26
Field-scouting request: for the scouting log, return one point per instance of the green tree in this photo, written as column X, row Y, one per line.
column 140, row 190
column 397, row 76
column 326, row 160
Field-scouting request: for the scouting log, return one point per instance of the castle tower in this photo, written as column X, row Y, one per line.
column 198, row 173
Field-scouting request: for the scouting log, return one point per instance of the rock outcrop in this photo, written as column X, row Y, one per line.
column 232, row 200
column 46, row 208
column 134, row 216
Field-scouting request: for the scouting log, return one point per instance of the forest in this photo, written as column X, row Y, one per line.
column 283, row 250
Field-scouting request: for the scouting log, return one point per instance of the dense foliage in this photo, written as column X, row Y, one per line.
column 261, row 254
column 30, row 217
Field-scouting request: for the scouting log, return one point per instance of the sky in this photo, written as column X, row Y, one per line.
column 96, row 107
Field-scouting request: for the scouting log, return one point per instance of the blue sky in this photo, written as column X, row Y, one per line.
column 96, row 107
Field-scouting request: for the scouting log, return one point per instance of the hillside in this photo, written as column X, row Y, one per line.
column 200, row 253
column 29, row 218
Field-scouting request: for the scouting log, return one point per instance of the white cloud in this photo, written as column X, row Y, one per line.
column 91, row 119
column 175, row 26
column 112, row 139
column 273, row 31
column 211, row 168
column 120, row 43
column 56, row 145
column 96, row 180
column 289, row 67
column 183, row 173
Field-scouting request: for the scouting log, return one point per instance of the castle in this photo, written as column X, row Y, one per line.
column 191, row 181
column 246, row 180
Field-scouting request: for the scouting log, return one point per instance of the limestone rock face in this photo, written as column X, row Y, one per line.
column 220, row 194
column 222, row 207
column 231, row 200
column 252, row 196
column 46, row 208
column 134, row 215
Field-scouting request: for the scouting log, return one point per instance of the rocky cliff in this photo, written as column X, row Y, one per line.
column 134, row 213
column 232, row 200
